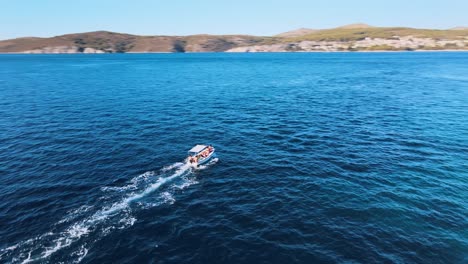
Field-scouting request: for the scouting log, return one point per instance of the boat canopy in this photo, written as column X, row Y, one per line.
column 197, row 149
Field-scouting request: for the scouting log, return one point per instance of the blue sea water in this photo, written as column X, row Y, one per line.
column 322, row 158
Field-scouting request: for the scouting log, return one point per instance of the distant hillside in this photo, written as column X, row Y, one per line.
column 362, row 37
column 352, row 34
column 306, row 31
column 352, row 37
column 104, row 41
column 297, row 32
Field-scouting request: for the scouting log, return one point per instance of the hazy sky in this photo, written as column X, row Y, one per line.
column 46, row 18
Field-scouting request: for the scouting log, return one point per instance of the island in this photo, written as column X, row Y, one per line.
column 354, row 37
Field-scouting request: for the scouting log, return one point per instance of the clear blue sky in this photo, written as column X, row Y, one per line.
column 46, row 18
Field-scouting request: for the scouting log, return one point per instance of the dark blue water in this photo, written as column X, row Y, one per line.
column 322, row 158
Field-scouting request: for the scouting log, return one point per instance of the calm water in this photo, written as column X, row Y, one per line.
column 322, row 158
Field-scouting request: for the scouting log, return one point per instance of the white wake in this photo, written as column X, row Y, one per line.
column 82, row 222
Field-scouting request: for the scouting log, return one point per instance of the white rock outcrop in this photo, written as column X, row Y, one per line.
column 394, row 43
column 62, row 50
column 91, row 50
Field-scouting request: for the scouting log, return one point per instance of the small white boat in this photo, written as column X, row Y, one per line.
column 200, row 154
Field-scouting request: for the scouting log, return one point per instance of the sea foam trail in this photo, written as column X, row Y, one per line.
column 43, row 247
column 153, row 187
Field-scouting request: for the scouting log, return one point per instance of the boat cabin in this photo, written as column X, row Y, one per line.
column 197, row 149
column 200, row 154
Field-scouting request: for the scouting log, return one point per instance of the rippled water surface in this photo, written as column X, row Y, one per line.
column 322, row 158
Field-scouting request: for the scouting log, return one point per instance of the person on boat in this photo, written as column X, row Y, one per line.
column 193, row 159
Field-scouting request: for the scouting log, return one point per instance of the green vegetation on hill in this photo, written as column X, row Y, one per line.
column 103, row 40
column 354, row 34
